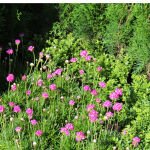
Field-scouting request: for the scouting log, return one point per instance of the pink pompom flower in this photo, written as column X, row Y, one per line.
column 31, row 48
column 69, row 126
column 16, row 109
column 28, row 92
column 18, row 129
column 113, row 95
column 118, row 91
column 117, row 106
column 17, row 41
column 80, row 136
column 136, row 141
column 40, row 82
column 10, row 78
column 124, row 132
column 58, row 71
column 49, row 76
column 39, row 132
column 93, row 118
column 45, row 95
column 11, row 104
column 86, row 88
column 41, row 54
column 13, row 87
column 102, row 84
column 9, row 51
column 99, row 69
column 109, row 114
column 33, row 122
column 83, row 53
column 73, row 60
column 98, row 100
column 1, row 108
column 81, row 71
column 107, row 104
column 90, row 107
column 93, row 113
column 64, row 130
column 53, row 87
column 29, row 111
column 88, row 58
column 71, row 102
column 24, row 77
column 94, row 92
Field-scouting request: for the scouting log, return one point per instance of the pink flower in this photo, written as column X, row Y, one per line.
column 54, row 74
column 17, row 41
column 40, row 82
column 99, row 69
column 31, row 48
column 102, row 84
column 16, row 109
column 88, row 58
column 117, row 106
column 71, row 102
column 90, row 107
column 53, row 87
column 73, row 60
column 49, row 76
column 58, row 71
column 80, row 136
column 38, row 132
column 107, row 104
column 113, row 95
column 24, row 77
column 18, row 129
column 125, row 132
column 67, row 78
column 37, row 98
column 13, row 87
column 109, row 114
column 86, row 88
column 11, row 104
column 93, row 113
column 118, row 91
column 64, row 130
column 47, row 56
column 30, row 116
column 45, row 95
column 1, row 108
column 98, row 100
column 69, row 126
column 83, row 53
column 136, row 141
column 9, row 51
column 33, row 122
column 28, row 92
column 81, row 71
column 29, row 111
column 94, row 92
column 10, row 78
column 41, row 54
column 93, row 118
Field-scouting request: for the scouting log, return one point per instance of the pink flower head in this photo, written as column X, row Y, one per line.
column 30, row 116
column 28, row 92
column 90, row 107
column 45, row 95
column 136, row 141
column 37, row 98
column 81, row 71
column 83, row 53
column 16, row 109
column 10, row 78
column 58, row 71
column 38, row 132
column 11, row 104
column 94, row 92
column 29, row 111
column 24, row 77
column 125, row 132
column 40, row 82
column 93, row 118
column 31, row 48
column 98, row 100
column 13, row 87
column 80, row 136
column 67, row 78
column 102, row 84
column 18, row 129
column 69, row 126
column 88, row 58
column 53, row 87
column 21, row 34
column 17, row 41
column 47, row 56
column 117, row 106
column 9, row 51
column 41, row 54
column 99, row 69
column 118, row 91
column 1, row 108
column 93, row 113
column 49, row 76
column 71, row 102
column 33, row 122
column 109, row 114
column 54, row 74
column 86, row 88
column 73, row 60
column 107, row 104
column 64, row 130
column 113, row 95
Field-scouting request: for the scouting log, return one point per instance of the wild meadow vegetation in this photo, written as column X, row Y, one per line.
column 88, row 87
